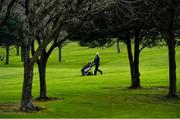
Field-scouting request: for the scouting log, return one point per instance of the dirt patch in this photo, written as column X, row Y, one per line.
column 9, row 107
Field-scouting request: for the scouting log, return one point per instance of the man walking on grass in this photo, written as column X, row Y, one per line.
column 96, row 62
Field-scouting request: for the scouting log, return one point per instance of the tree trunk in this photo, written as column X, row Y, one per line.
column 42, row 62
column 17, row 50
column 7, row 54
column 136, row 75
column 26, row 100
column 172, row 71
column 22, row 53
column 172, row 60
column 60, row 53
column 130, row 56
column 118, row 47
column 42, row 76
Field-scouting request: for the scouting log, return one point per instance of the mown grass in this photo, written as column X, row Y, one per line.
column 104, row 95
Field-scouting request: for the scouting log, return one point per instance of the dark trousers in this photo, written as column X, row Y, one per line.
column 97, row 70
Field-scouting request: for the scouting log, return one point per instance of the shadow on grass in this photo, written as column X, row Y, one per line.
column 11, row 65
column 152, row 88
column 49, row 99
column 153, row 92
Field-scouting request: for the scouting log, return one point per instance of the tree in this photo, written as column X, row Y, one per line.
column 35, row 18
column 17, row 50
column 164, row 16
column 117, row 45
column 9, row 34
column 60, row 46
column 43, row 59
column 61, row 38
column 123, row 21
column 54, row 15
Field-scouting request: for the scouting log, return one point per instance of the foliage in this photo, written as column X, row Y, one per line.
column 9, row 34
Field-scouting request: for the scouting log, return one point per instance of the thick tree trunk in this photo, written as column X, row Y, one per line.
column 26, row 100
column 42, row 75
column 60, row 53
column 17, row 50
column 118, row 47
column 172, row 60
column 130, row 56
column 7, row 54
column 136, row 73
column 172, row 71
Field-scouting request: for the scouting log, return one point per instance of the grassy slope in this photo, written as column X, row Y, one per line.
column 94, row 96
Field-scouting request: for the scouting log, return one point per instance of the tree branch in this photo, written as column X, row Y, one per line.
column 10, row 5
column 145, row 46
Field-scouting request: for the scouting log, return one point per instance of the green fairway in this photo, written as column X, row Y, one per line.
column 104, row 95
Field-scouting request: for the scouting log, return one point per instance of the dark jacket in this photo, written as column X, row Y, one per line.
column 96, row 60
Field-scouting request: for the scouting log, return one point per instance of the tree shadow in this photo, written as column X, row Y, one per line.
column 153, row 92
column 159, row 93
column 49, row 99
column 148, row 88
